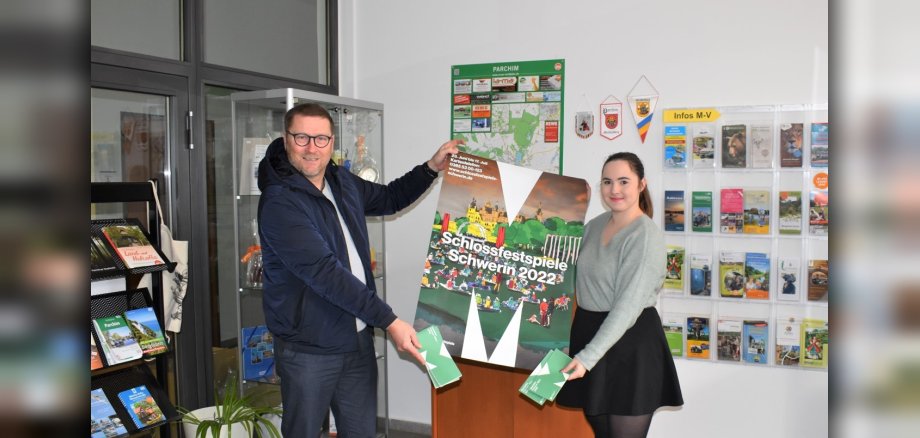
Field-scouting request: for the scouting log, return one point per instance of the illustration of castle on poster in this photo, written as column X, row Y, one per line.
column 499, row 276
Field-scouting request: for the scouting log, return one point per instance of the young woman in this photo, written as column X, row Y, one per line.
column 622, row 370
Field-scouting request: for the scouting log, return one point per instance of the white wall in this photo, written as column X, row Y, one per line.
column 695, row 53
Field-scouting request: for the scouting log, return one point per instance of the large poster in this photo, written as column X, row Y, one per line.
column 499, row 273
column 511, row 111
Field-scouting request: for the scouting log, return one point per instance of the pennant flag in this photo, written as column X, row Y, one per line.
column 642, row 101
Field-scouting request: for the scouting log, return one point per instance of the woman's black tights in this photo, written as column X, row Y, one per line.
column 620, row 426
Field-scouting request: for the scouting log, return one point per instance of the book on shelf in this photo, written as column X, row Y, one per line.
column 790, row 212
column 788, row 349
column 674, row 210
column 701, row 205
column 754, row 341
column 698, row 337
column 704, row 145
column 675, row 146
column 258, row 353
column 762, row 145
column 790, row 147
column 103, row 421
column 819, row 145
column 674, row 275
column 734, row 146
column 95, row 361
column 146, row 329
column 818, row 280
column 673, row 326
column 728, row 339
column 141, row 406
column 818, row 212
column 116, row 339
column 731, row 274
column 547, row 378
column 789, row 271
column 756, row 212
column 701, row 275
column 101, row 258
column 757, row 276
column 731, row 211
column 132, row 246
column 442, row 370
column 815, row 343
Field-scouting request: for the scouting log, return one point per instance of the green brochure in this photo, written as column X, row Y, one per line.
column 547, row 379
column 536, row 398
column 441, row 367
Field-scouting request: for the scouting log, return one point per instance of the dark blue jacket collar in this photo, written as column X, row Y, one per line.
column 276, row 169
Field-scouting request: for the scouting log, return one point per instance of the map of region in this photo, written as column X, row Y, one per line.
column 518, row 136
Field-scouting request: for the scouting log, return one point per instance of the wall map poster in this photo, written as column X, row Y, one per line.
column 499, row 274
column 510, row 111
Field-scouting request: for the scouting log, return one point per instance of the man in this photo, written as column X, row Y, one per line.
column 319, row 296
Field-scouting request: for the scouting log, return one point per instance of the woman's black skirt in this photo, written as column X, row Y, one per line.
column 635, row 377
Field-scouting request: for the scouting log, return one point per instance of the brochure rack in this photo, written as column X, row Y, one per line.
column 150, row 372
column 770, row 172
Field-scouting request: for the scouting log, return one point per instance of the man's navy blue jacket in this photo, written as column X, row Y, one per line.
column 310, row 297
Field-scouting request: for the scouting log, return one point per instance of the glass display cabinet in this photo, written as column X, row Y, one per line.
column 258, row 118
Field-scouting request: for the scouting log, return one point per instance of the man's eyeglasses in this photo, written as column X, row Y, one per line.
column 319, row 141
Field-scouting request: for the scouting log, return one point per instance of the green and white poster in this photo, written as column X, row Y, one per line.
column 499, row 273
column 511, row 111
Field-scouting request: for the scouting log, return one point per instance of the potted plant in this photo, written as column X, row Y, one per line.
column 233, row 416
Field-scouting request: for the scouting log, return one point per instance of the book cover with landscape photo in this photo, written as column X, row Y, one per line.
column 141, row 406
column 674, row 210
column 790, row 212
column 146, row 329
column 754, row 341
column 756, row 212
column 701, row 214
column 116, row 339
column 132, row 245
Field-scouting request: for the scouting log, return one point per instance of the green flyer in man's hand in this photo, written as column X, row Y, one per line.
column 441, row 367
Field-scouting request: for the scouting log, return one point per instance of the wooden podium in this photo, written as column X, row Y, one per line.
column 486, row 403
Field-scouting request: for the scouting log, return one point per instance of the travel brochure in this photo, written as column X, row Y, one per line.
column 547, row 378
column 258, row 354
column 441, row 367
column 674, row 275
column 141, row 406
column 103, row 421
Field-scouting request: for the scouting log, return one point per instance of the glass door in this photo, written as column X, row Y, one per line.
column 138, row 131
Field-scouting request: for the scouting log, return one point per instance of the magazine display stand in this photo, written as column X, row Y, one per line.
column 766, row 168
column 149, row 372
column 258, row 118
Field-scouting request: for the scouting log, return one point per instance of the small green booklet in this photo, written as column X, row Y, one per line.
column 441, row 367
column 547, row 378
